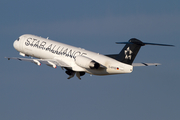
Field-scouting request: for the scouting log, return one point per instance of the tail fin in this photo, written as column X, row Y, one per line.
column 129, row 52
column 132, row 47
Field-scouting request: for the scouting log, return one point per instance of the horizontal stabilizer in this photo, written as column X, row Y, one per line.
column 145, row 64
column 158, row 44
column 138, row 42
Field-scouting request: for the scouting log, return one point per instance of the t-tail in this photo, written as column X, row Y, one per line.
column 131, row 49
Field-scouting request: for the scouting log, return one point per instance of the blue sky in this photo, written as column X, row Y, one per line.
column 28, row 91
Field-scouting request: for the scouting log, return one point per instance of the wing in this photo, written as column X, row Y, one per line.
column 49, row 62
column 145, row 64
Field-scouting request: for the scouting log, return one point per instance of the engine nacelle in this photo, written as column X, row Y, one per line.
column 86, row 62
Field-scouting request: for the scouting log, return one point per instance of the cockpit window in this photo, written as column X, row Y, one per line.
column 18, row 39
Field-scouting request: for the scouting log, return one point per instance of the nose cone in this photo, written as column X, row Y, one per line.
column 16, row 45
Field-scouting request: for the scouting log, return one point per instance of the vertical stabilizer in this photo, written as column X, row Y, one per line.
column 130, row 50
column 132, row 47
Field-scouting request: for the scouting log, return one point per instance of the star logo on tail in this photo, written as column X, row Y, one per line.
column 128, row 53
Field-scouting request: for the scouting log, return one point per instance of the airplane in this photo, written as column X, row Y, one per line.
column 77, row 60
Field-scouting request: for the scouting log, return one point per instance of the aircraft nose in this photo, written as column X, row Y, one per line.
column 15, row 44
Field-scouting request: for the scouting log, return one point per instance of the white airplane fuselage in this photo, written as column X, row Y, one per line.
column 43, row 48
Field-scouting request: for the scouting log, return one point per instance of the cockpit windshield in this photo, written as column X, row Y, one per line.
column 18, row 39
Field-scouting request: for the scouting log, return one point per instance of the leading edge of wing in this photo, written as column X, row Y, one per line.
column 49, row 62
column 145, row 64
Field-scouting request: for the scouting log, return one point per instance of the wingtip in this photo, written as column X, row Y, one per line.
column 157, row 64
column 7, row 58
